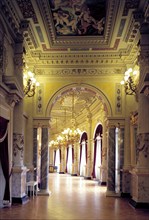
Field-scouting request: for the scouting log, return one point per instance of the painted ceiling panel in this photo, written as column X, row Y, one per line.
column 78, row 17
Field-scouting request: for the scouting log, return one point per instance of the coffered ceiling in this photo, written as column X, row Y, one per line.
column 90, row 33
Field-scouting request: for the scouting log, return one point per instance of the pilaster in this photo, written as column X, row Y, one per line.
column 89, row 145
column 62, row 166
column 140, row 174
column 44, row 162
column 103, row 168
column 75, row 167
column 114, row 155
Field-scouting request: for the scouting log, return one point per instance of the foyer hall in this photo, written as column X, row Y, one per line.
column 74, row 198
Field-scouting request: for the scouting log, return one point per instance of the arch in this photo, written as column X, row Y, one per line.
column 98, row 130
column 84, row 137
column 82, row 86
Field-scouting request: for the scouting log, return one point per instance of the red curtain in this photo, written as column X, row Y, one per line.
column 66, row 159
column 86, row 151
column 54, row 156
column 72, row 154
column 80, row 155
column 94, row 162
column 4, row 155
column 60, row 155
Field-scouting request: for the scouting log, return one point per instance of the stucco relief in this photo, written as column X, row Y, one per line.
column 18, row 148
column 142, row 148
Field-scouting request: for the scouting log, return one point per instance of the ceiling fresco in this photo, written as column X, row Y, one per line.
column 78, row 17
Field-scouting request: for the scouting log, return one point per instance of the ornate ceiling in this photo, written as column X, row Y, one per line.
column 90, row 33
column 76, row 38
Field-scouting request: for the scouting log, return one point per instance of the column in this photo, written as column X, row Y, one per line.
column 89, row 146
column 111, row 162
column 140, row 174
column 35, row 153
column 103, row 168
column 28, row 128
column 75, row 165
column 125, row 171
column 19, row 170
column 44, row 162
column 121, row 156
column 62, row 167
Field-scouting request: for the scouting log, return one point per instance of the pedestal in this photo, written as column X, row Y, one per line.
column 19, row 185
column 140, row 188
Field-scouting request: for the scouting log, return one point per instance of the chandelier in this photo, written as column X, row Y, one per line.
column 29, row 83
column 67, row 137
column 130, row 81
column 71, row 135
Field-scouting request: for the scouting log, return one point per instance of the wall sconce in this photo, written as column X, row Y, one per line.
column 29, row 83
column 130, row 81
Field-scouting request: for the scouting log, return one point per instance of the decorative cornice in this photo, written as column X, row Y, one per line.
column 80, row 41
column 29, row 35
column 79, row 72
column 10, row 15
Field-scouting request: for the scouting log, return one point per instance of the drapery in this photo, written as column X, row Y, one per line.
column 98, row 157
column 72, row 154
column 54, row 156
column 57, row 160
column 80, row 156
column 60, row 155
column 66, row 160
column 86, row 151
column 94, row 162
column 83, row 158
column 4, row 157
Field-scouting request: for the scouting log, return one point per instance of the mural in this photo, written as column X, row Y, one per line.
column 78, row 17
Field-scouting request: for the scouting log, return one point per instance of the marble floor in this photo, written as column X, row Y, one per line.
column 74, row 198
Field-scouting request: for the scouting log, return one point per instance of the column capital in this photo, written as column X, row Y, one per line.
column 41, row 122
column 113, row 122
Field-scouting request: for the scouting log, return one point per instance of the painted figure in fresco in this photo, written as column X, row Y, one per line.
column 64, row 21
column 78, row 17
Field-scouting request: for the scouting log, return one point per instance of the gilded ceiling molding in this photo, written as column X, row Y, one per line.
column 60, row 42
column 80, row 86
column 28, row 34
column 80, row 72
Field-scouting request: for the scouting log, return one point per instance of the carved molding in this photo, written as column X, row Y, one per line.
column 143, row 145
column 18, row 148
column 11, row 16
column 134, row 118
column 81, row 42
column 13, row 99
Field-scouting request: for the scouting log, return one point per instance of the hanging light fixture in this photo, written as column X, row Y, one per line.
column 69, row 135
column 29, row 82
column 130, row 81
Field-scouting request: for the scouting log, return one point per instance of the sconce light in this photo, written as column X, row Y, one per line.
column 130, row 81
column 29, row 83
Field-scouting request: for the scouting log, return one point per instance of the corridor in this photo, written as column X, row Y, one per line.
column 74, row 198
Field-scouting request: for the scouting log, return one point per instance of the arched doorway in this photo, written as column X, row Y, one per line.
column 72, row 106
